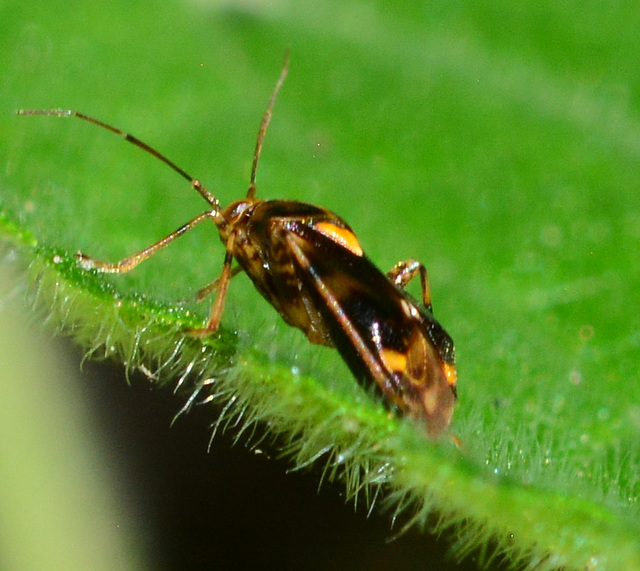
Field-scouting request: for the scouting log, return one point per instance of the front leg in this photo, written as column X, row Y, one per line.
column 221, row 285
column 127, row 264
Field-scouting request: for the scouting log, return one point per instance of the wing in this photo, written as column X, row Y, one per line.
column 380, row 331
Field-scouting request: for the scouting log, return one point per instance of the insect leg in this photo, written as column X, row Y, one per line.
column 207, row 290
column 127, row 264
column 403, row 272
column 222, row 284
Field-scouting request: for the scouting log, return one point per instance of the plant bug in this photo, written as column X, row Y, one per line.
column 309, row 265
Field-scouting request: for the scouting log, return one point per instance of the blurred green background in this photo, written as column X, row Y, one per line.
column 498, row 143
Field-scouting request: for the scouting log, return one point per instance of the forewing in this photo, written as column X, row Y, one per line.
column 382, row 334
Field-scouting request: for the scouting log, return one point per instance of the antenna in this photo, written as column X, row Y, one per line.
column 266, row 119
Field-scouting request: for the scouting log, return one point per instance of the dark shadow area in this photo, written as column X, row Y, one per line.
column 231, row 508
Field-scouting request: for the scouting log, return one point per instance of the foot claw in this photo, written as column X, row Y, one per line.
column 85, row 262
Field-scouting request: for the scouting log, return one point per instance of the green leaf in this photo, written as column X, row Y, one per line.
column 498, row 143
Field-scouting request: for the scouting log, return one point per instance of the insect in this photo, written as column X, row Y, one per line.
column 309, row 265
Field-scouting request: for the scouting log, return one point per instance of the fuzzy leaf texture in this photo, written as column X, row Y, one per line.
column 497, row 143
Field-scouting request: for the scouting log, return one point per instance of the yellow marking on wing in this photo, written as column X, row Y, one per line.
column 395, row 361
column 450, row 374
column 342, row 236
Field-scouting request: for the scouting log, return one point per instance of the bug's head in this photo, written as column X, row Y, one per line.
column 235, row 216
